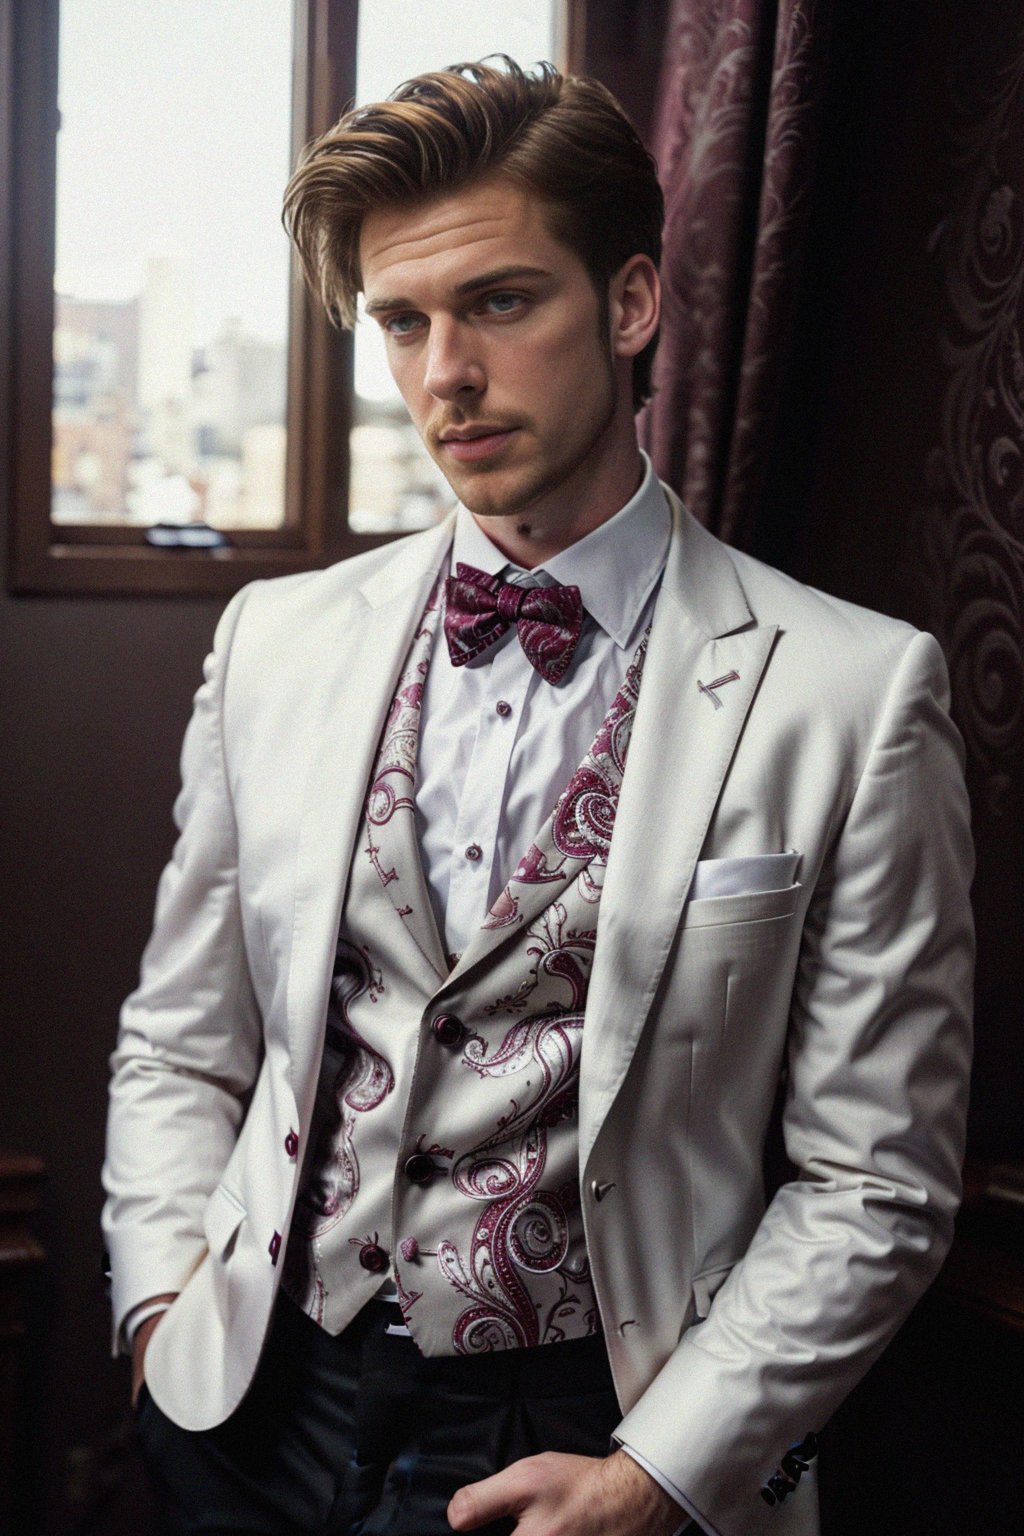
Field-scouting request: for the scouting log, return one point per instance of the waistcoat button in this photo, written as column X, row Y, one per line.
column 448, row 1029
column 291, row 1144
column 419, row 1168
column 274, row 1247
column 373, row 1258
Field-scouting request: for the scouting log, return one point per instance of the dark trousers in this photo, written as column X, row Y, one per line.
column 362, row 1435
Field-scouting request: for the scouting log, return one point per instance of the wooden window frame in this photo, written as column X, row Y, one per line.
column 49, row 557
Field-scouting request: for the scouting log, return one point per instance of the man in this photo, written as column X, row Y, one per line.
column 519, row 863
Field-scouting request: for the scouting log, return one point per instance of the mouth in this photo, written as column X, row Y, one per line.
column 469, row 444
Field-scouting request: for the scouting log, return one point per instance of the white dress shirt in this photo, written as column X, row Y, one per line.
column 498, row 744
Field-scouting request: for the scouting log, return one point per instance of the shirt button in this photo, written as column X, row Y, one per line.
column 474, row 852
column 504, row 708
column 448, row 1030
column 419, row 1168
column 373, row 1258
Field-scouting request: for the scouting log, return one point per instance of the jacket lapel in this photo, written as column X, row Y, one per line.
column 684, row 737
column 366, row 646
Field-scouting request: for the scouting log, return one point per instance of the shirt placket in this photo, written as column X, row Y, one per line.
column 504, row 680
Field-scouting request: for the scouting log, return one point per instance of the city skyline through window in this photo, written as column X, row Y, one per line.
column 171, row 303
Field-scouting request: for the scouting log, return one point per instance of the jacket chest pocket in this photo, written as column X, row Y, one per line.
column 749, row 907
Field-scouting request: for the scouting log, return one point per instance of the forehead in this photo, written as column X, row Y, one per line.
column 491, row 225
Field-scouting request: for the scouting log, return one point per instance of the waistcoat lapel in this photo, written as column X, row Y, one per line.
column 573, row 845
column 391, row 842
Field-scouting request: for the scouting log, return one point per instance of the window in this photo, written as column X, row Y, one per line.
column 180, row 417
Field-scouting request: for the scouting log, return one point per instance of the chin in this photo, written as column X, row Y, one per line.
column 485, row 500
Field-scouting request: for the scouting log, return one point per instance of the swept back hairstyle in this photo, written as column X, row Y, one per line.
column 563, row 138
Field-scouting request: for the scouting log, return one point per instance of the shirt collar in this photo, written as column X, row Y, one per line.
column 615, row 567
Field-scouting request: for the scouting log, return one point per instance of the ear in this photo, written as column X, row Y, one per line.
column 634, row 304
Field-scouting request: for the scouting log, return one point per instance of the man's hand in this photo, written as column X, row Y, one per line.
column 569, row 1496
column 142, row 1337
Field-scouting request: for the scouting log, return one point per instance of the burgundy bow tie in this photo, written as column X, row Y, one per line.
column 480, row 608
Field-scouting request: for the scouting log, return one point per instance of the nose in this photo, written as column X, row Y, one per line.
column 453, row 367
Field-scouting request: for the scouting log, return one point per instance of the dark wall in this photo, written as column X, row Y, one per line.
column 94, row 696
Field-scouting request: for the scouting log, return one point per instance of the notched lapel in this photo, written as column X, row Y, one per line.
column 682, row 746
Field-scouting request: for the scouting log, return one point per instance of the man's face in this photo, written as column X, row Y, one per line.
column 494, row 337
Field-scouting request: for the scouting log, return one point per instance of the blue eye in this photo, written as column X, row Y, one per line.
column 400, row 325
column 503, row 303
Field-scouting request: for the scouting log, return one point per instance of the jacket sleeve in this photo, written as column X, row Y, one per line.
column 190, row 1034
column 879, row 1050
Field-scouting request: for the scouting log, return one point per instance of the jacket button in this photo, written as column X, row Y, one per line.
column 291, row 1144
column 599, row 1189
column 448, row 1030
column 419, row 1168
column 373, row 1257
column 274, row 1247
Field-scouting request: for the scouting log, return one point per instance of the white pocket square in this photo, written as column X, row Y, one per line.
column 743, row 877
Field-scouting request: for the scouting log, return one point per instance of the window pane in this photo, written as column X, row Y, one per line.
column 172, row 265
column 395, row 485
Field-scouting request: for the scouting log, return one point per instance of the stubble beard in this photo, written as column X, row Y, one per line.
column 523, row 496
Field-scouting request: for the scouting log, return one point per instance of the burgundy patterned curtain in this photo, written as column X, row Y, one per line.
column 735, row 135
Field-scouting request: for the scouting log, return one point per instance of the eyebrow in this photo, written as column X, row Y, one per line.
column 473, row 285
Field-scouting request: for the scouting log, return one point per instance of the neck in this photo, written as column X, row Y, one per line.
column 592, row 494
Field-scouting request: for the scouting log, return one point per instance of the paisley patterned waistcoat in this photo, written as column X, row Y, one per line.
column 445, row 1144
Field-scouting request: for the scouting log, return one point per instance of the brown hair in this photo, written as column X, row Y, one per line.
column 563, row 137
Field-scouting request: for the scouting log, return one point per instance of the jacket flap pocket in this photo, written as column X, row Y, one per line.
column 221, row 1220
column 706, row 1286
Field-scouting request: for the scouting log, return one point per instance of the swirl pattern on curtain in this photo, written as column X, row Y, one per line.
column 968, row 532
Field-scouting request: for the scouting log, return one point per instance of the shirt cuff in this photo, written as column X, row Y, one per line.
column 136, row 1317
column 670, row 1488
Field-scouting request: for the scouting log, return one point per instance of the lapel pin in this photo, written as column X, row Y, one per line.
column 719, row 682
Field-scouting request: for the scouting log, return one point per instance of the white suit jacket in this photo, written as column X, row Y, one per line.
column 733, row 1327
